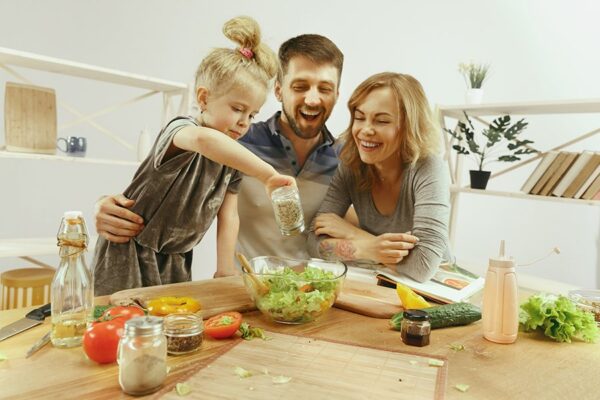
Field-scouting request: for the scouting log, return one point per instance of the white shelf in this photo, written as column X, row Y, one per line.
column 523, row 108
column 455, row 165
column 517, row 195
column 31, row 247
column 37, row 156
column 27, row 248
column 56, row 65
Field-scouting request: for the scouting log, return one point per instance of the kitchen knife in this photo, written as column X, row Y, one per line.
column 33, row 318
column 39, row 344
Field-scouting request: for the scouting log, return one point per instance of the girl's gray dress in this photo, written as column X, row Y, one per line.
column 178, row 198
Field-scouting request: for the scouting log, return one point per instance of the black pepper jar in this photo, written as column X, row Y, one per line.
column 183, row 332
column 415, row 328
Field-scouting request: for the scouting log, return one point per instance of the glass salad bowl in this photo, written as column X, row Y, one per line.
column 294, row 291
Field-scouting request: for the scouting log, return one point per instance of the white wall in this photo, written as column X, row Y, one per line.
column 539, row 50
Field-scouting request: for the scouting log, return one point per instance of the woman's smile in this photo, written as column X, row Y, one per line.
column 369, row 146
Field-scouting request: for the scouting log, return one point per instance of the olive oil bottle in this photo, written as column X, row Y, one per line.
column 72, row 291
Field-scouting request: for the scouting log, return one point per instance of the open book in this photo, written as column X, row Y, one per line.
column 450, row 284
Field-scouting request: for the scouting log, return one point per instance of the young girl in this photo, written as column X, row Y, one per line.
column 192, row 174
column 390, row 173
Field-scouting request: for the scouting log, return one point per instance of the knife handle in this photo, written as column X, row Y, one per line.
column 39, row 314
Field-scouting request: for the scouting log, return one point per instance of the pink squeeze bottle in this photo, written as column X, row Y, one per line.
column 500, row 305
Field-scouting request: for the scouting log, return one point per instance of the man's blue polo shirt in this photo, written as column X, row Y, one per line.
column 265, row 140
column 259, row 234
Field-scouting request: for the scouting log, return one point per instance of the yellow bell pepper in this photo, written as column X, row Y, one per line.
column 162, row 306
column 409, row 298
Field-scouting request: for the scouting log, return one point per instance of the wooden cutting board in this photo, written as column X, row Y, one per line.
column 229, row 294
column 215, row 295
column 319, row 369
column 368, row 299
column 30, row 118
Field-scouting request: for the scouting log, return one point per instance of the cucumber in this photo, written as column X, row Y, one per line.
column 445, row 315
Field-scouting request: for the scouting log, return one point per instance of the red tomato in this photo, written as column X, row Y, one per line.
column 101, row 340
column 223, row 325
column 125, row 312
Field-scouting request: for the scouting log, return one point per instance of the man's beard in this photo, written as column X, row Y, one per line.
column 296, row 129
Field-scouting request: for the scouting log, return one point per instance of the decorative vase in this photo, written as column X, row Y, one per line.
column 479, row 179
column 474, row 96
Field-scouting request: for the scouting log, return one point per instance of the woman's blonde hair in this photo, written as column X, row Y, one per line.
column 220, row 69
column 419, row 133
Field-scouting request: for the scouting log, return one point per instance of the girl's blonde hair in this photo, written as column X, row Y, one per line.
column 419, row 133
column 220, row 69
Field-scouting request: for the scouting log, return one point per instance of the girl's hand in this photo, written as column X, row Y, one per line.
column 277, row 180
column 337, row 227
column 388, row 248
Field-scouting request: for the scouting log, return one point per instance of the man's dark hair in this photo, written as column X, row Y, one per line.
column 316, row 48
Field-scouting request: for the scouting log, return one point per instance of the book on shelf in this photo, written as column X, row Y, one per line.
column 572, row 173
column 558, row 160
column 450, row 284
column 583, row 175
column 593, row 190
column 538, row 171
column 589, row 187
column 559, row 173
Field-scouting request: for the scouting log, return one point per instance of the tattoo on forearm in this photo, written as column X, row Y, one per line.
column 326, row 248
column 345, row 249
column 337, row 249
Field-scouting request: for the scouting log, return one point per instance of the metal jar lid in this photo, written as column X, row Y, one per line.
column 416, row 315
column 144, row 326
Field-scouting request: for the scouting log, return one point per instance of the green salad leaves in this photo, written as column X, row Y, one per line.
column 298, row 297
column 250, row 332
column 558, row 318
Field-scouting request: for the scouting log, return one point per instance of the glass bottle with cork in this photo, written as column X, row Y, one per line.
column 72, row 290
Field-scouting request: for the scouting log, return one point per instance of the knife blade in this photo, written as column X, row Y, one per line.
column 33, row 318
column 39, row 344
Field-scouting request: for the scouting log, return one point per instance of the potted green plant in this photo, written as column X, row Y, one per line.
column 501, row 143
column 474, row 75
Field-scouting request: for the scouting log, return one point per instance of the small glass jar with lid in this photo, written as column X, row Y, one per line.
column 183, row 332
column 587, row 300
column 288, row 210
column 415, row 328
column 142, row 356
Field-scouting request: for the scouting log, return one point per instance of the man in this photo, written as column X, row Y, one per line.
column 295, row 141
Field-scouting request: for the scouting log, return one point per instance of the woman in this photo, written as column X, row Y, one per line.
column 391, row 175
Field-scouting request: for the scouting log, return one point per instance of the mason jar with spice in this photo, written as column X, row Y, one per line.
column 415, row 328
column 288, row 210
column 142, row 356
column 183, row 332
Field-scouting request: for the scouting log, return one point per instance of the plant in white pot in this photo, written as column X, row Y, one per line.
column 500, row 143
column 474, row 75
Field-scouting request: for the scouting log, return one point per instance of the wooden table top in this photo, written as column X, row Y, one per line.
column 532, row 368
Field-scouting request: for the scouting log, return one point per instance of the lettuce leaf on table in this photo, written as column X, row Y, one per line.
column 558, row 318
